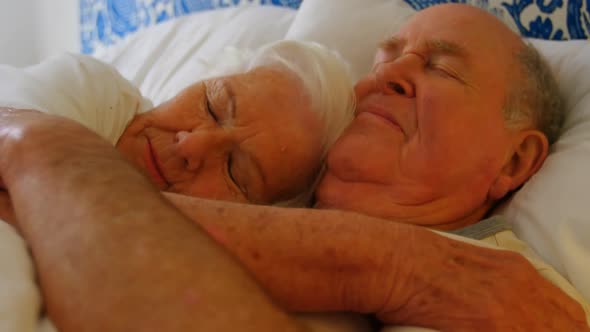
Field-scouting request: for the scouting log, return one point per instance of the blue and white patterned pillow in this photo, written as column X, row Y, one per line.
column 104, row 22
column 543, row 19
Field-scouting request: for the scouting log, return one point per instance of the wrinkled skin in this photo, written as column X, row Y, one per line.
column 249, row 137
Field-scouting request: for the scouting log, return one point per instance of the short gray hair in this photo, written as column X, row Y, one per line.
column 324, row 75
column 535, row 99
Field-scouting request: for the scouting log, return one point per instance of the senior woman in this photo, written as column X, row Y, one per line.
column 255, row 133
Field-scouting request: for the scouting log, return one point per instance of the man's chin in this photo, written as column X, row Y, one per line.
column 373, row 208
column 338, row 202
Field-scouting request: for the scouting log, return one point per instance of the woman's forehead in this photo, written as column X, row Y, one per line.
column 280, row 135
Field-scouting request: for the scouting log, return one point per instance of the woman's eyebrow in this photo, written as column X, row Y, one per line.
column 231, row 108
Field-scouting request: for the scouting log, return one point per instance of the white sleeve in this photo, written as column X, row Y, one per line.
column 77, row 87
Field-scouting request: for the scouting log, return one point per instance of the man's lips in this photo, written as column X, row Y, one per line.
column 381, row 115
column 152, row 165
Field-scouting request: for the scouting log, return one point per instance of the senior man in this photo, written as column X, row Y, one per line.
column 431, row 145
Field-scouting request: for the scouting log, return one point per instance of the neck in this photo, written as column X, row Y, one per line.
column 471, row 218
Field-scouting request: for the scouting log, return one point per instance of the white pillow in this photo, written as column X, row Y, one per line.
column 551, row 212
column 105, row 23
column 163, row 59
column 355, row 29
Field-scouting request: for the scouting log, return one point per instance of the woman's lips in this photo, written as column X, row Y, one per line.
column 153, row 168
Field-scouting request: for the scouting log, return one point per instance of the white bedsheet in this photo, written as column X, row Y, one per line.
column 19, row 296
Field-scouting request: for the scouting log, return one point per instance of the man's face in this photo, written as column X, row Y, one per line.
column 249, row 138
column 429, row 138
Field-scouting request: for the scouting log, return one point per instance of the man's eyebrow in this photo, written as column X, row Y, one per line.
column 445, row 47
column 232, row 98
column 433, row 46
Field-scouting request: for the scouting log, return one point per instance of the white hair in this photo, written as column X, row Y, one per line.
column 324, row 75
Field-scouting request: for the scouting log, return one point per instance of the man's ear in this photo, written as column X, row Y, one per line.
column 529, row 150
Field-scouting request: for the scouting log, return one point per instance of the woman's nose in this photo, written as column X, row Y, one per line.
column 195, row 147
column 398, row 76
column 365, row 86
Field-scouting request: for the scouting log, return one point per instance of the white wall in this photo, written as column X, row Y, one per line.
column 31, row 30
column 18, row 32
column 59, row 27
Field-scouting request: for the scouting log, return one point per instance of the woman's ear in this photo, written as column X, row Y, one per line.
column 529, row 150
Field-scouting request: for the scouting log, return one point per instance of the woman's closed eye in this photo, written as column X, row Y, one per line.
column 209, row 108
column 231, row 176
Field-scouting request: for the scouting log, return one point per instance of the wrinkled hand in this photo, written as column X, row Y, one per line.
column 454, row 286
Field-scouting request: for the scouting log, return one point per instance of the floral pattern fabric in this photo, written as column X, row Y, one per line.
column 104, row 22
column 543, row 19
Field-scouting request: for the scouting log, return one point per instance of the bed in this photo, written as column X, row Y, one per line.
column 164, row 45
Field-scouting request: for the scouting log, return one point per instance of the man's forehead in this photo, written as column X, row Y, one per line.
column 430, row 47
column 439, row 45
column 476, row 29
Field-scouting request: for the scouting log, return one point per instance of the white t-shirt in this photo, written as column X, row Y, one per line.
column 75, row 86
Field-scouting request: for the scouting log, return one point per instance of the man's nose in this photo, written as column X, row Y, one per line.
column 398, row 76
column 197, row 146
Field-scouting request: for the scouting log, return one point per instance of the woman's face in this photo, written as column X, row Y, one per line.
column 248, row 138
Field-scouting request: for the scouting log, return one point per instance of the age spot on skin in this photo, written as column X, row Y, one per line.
column 220, row 211
column 256, row 255
column 460, row 261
